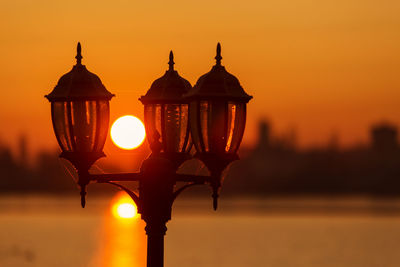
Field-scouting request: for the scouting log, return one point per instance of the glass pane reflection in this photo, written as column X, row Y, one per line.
column 61, row 125
column 168, row 124
column 81, row 125
column 217, row 127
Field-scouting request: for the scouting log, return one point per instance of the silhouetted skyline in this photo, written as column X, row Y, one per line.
column 274, row 166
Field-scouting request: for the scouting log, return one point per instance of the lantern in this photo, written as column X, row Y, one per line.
column 80, row 115
column 166, row 116
column 217, row 118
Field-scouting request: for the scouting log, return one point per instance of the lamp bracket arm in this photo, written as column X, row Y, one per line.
column 196, row 179
column 134, row 197
column 116, row 177
column 181, row 189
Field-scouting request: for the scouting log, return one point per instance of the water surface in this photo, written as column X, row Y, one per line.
column 54, row 231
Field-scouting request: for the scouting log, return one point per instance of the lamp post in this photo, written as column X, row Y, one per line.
column 211, row 115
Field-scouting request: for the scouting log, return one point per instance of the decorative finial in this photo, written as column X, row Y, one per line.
column 215, row 196
column 83, row 196
column 171, row 60
column 218, row 56
column 215, row 202
column 78, row 54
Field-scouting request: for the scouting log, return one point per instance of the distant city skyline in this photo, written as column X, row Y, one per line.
column 274, row 166
column 379, row 134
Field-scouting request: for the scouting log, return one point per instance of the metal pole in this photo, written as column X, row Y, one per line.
column 156, row 196
column 155, row 244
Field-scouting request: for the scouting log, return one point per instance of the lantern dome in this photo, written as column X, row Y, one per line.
column 218, row 83
column 169, row 88
column 79, row 84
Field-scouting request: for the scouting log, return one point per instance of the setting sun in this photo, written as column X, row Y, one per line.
column 123, row 207
column 128, row 132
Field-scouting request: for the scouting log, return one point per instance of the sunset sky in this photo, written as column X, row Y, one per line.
column 323, row 68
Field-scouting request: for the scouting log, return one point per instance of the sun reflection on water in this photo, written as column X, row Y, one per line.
column 123, row 240
column 123, row 207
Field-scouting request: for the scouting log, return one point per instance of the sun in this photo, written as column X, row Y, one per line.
column 128, row 132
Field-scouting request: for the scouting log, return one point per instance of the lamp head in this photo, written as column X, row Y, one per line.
column 80, row 114
column 166, row 115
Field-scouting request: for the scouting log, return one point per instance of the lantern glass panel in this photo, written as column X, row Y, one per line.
column 84, row 120
column 195, row 128
column 176, row 132
column 204, row 122
column 103, row 123
column 81, row 125
column 152, row 122
column 236, row 124
column 168, row 124
column 61, row 125
column 217, row 126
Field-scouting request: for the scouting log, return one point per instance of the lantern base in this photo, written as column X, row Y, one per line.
column 82, row 161
column 216, row 163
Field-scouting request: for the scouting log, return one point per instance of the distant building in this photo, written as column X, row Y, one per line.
column 23, row 156
column 384, row 137
column 264, row 136
column 272, row 168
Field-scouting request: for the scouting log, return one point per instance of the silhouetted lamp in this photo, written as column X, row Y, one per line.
column 212, row 114
column 217, row 119
column 166, row 115
column 80, row 116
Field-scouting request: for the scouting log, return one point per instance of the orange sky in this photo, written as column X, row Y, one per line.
column 321, row 67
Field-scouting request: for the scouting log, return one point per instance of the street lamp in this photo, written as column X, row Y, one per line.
column 217, row 119
column 211, row 115
column 80, row 114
